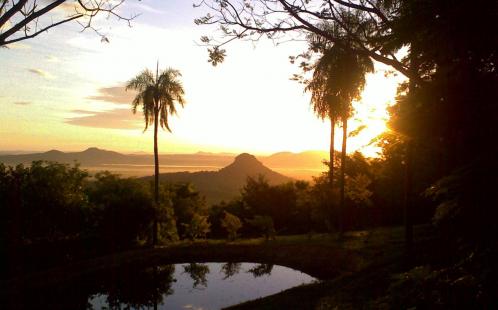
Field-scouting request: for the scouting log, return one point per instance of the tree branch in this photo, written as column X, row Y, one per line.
column 41, row 30
column 12, row 11
column 27, row 26
column 284, row 16
column 30, row 17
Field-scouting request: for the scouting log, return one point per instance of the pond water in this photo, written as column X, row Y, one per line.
column 207, row 286
column 193, row 286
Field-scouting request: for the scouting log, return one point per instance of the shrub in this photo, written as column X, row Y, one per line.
column 43, row 202
column 123, row 208
column 265, row 225
column 198, row 227
column 232, row 224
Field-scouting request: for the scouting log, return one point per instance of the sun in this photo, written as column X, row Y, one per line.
column 371, row 113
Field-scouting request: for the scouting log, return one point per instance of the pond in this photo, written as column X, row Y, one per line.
column 194, row 286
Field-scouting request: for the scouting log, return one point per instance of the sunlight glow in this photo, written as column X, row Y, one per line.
column 247, row 104
column 371, row 111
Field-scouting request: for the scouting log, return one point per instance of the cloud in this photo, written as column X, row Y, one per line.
column 114, row 119
column 22, row 102
column 85, row 112
column 115, row 94
column 52, row 58
column 41, row 73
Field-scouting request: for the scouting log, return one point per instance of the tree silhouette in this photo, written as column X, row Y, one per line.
column 339, row 80
column 325, row 104
column 370, row 32
column 157, row 97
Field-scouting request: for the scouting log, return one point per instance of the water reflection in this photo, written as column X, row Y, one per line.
column 137, row 289
column 198, row 273
column 230, row 269
column 261, row 270
column 181, row 286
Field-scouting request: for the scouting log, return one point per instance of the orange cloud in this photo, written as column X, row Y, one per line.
column 115, row 94
column 114, row 119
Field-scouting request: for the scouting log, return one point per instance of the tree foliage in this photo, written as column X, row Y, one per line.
column 264, row 224
column 44, row 201
column 123, row 208
column 367, row 25
column 198, row 227
column 157, row 95
column 232, row 224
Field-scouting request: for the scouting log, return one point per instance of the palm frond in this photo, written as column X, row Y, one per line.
column 163, row 119
column 141, row 81
column 338, row 79
column 162, row 94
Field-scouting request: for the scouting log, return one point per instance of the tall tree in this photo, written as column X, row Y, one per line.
column 158, row 97
column 325, row 105
column 345, row 81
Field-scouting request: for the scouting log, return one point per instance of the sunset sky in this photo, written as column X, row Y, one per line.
column 64, row 90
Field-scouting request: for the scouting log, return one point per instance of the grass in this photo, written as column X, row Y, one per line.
column 382, row 256
column 348, row 265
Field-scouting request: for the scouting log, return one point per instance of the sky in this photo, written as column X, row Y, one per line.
column 64, row 90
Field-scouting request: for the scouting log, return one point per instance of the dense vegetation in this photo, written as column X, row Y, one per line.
column 52, row 202
column 55, row 212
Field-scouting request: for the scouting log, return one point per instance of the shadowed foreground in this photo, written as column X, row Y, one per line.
column 322, row 256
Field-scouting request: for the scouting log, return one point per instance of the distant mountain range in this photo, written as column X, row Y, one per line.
column 97, row 157
column 219, row 176
column 226, row 183
column 297, row 165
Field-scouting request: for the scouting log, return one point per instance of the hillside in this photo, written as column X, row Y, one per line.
column 296, row 165
column 226, row 183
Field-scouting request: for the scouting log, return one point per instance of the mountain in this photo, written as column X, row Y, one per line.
column 226, row 183
column 97, row 157
column 16, row 152
column 297, row 165
column 90, row 156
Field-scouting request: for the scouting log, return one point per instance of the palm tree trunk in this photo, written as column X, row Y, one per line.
column 408, row 195
column 409, row 158
column 331, row 169
column 343, row 173
column 156, row 179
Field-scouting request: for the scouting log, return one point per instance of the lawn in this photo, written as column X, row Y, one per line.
column 351, row 268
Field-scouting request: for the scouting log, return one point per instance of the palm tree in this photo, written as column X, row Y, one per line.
column 157, row 96
column 338, row 79
column 325, row 105
column 349, row 73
